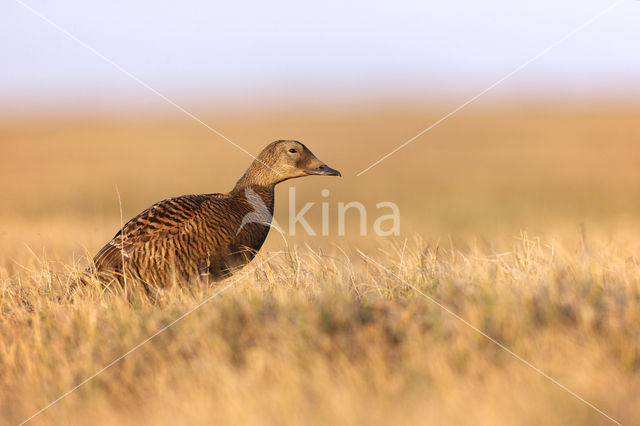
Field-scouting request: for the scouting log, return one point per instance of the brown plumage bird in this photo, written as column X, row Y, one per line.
column 209, row 235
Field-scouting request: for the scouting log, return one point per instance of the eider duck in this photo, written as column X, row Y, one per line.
column 208, row 235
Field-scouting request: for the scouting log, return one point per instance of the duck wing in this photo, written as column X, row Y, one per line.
column 165, row 219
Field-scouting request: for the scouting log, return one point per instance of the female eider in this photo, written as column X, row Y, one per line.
column 208, row 235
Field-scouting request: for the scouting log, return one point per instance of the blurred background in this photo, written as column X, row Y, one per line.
column 552, row 148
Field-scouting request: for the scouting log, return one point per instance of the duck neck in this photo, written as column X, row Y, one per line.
column 256, row 175
column 255, row 181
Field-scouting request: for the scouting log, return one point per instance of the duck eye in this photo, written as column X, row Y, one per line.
column 292, row 150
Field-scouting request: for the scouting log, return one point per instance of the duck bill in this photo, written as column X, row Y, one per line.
column 323, row 170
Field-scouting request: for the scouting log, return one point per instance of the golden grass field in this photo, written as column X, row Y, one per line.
column 523, row 220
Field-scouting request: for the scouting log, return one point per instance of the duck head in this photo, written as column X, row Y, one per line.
column 282, row 160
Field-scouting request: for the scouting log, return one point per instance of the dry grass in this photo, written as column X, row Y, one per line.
column 318, row 335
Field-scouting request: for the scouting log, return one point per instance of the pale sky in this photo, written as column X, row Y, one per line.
column 219, row 50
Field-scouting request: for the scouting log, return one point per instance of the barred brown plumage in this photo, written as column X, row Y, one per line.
column 207, row 235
